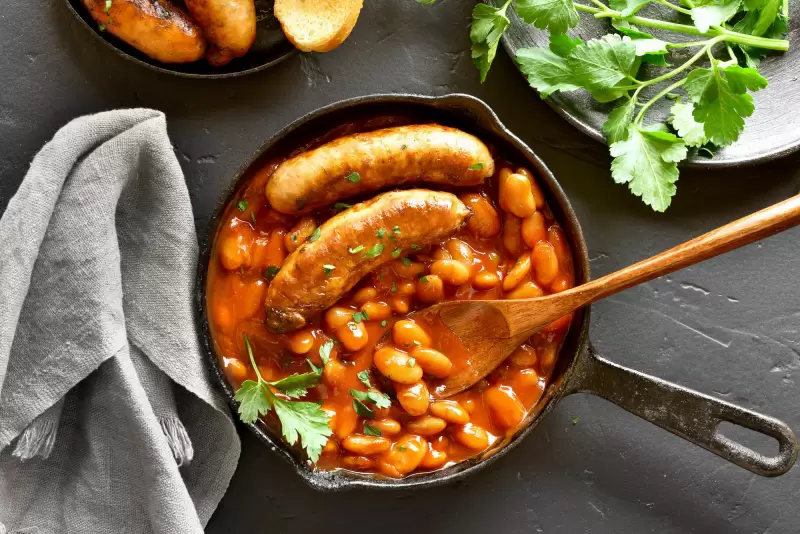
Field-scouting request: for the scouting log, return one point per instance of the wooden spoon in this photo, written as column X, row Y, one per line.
column 491, row 329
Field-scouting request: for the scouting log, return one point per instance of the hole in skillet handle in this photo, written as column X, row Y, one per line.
column 458, row 110
column 270, row 47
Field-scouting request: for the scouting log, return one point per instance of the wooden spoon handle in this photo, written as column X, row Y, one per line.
column 741, row 232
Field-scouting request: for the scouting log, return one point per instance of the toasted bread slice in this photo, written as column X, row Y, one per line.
column 317, row 25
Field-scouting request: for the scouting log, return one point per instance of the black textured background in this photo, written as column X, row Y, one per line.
column 728, row 327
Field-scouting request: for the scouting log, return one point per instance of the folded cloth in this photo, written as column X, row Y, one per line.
column 108, row 420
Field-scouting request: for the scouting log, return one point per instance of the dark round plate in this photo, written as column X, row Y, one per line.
column 270, row 47
column 771, row 132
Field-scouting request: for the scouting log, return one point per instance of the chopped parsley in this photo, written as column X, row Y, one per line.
column 108, row 6
column 271, row 271
column 294, row 237
column 476, row 166
column 242, row 205
column 363, row 410
column 363, row 377
column 383, row 323
column 357, row 249
column 424, row 279
column 371, row 430
column 417, row 343
column 381, row 400
column 327, row 269
column 396, row 230
column 394, row 287
column 325, row 351
column 380, row 233
column 401, row 448
column 102, row 28
column 575, row 420
column 415, row 247
column 353, row 177
column 406, row 262
column 253, row 216
column 396, row 252
column 412, row 361
column 360, row 316
column 315, row 235
column 374, row 251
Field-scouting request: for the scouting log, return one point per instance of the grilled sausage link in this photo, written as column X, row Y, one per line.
column 229, row 25
column 349, row 243
column 370, row 161
column 155, row 27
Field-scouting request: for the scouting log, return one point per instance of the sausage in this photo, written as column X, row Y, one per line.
column 155, row 27
column 302, row 289
column 391, row 156
column 229, row 25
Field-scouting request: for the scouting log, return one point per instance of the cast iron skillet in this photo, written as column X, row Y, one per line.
column 682, row 411
column 270, row 47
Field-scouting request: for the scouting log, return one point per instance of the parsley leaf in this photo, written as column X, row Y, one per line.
column 616, row 126
column 547, row 72
column 353, row 177
column 360, row 316
column 305, row 420
column 363, row 377
column 315, row 235
column 380, row 233
column 714, row 13
column 384, row 322
column 253, row 400
column 682, row 120
column 488, row 25
column 296, row 385
column 396, row 230
column 647, row 162
column 242, row 205
column 406, row 262
column 601, row 64
column 401, row 448
column 556, row 16
column 325, row 351
column 476, row 166
column 374, row 251
column 381, row 400
column 108, row 6
column 328, row 269
column 396, row 252
column 372, row 431
column 721, row 101
column 271, row 272
column 562, row 44
column 363, row 410
column 357, row 249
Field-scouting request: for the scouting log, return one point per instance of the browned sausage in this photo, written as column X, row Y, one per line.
column 302, row 288
column 370, row 161
column 155, row 27
column 229, row 25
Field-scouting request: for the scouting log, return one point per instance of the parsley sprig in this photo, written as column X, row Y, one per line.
column 304, row 420
column 717, row 90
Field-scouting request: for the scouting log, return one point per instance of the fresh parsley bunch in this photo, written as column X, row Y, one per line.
column 299, row 419
column 717, row 91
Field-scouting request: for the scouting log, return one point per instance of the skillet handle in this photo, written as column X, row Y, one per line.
column 689, row 414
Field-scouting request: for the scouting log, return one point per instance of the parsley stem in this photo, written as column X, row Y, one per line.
column 673, row 6
column 252, row 358
column 640, row 115
column 600, row 4
column 730, row 36
column 688, row 45
column 689, row 63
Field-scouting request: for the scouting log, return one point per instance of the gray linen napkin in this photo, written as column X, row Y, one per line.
column 108, row 421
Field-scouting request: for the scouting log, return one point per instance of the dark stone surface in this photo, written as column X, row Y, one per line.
column 729, row 327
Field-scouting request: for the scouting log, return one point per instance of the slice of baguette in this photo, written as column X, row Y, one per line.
column 317, row 25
